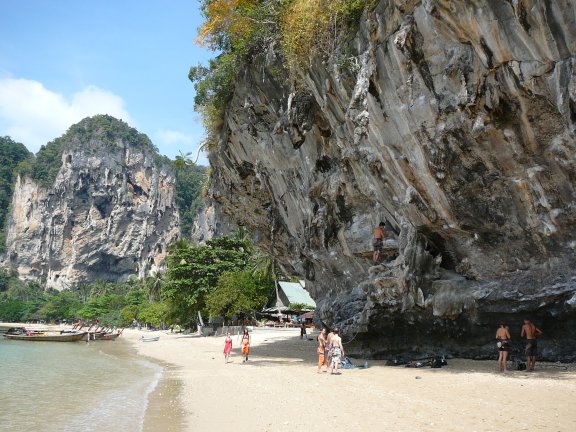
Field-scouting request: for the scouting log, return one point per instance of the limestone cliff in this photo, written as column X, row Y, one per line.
column 108, row 214
column 454, row 121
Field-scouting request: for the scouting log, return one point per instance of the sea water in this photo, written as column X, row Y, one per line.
column 73, row 386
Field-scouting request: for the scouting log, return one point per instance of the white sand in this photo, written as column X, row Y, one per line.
column 279, row 390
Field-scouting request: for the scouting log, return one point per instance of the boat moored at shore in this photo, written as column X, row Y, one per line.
column 21, row 333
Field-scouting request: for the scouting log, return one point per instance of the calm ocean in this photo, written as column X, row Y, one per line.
column 73, row 386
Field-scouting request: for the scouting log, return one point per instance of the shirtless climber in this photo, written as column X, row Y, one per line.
column 378, row 241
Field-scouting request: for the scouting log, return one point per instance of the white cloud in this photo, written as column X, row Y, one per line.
column 34, row 115
column 172, row 143
column 170, row 137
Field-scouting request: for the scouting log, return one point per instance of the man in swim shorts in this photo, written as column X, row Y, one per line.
column 531, row 332
column 378, row 235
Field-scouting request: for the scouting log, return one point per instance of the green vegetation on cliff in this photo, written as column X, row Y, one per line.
column 104, row 129
column 11, row 154
column 241, row 30
column 190, row 183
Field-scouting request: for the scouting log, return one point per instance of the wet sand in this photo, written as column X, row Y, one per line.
column 279, row 390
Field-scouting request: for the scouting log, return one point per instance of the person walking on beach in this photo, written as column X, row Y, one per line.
column 531, row 332
column 245, row 344
column 302, row 330
column 227, row 347
column 503, row 344
column 378, row 235
column 321, row 349
column 337, row 353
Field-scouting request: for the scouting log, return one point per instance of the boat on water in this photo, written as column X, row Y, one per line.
column 21, row 333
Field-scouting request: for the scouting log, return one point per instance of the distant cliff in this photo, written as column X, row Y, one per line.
column 453, row 121
column 101, row 205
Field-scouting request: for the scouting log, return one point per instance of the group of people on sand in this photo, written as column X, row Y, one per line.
column 244, row 346
column 330, row 351
column 503, row 338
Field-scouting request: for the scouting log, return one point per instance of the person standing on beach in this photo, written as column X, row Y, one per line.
column 337, row 353
column 245, row 343
column 302, row 330
column 378, row 235
column 531, row 332
column 227, row 347
column 321, row 349
column 328, row 349
column 503, row 344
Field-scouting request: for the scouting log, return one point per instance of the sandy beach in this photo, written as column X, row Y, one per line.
column 279, row 390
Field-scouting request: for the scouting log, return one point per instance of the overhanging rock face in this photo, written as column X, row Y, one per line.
column 453, row 121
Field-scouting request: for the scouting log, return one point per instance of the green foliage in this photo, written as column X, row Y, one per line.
column 154, row 314
column 114, row 133
column 47, row 163
column 243, row 29
column 190, row 182
column 99, row 307
column 11, row 154
column 299, row 307
column 111, row 318
column 193, row 272
column 64, row 305
column 109, row 130
column 113, row 304
column 130, row 313
column 238, row 293
column 239, row 29
column 318, row 27
column 16, row 310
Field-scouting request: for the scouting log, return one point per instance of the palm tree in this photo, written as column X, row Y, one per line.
column 265, row 267
column 153, row 285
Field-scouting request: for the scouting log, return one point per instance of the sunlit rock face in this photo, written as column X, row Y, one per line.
column 109, row 214
column 454, row 122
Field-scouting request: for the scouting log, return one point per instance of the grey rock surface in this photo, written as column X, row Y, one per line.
column 109, row 214
column 453, row 121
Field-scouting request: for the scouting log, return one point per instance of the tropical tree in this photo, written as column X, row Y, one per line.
column 63, row 305
column 98, row 307
column 238, row 293
column 153, row 287
column 154, row 314
column 193, row 272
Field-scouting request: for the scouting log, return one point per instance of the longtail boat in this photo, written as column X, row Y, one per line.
column 106, row 336
column 44, row 336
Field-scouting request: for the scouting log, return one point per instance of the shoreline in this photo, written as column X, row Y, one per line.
column 164, row 410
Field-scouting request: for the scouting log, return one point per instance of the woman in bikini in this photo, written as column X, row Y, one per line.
column 245, row 345
column 227, row 347
column 503, row 344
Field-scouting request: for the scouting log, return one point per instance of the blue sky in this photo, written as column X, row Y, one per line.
column 63, row 60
